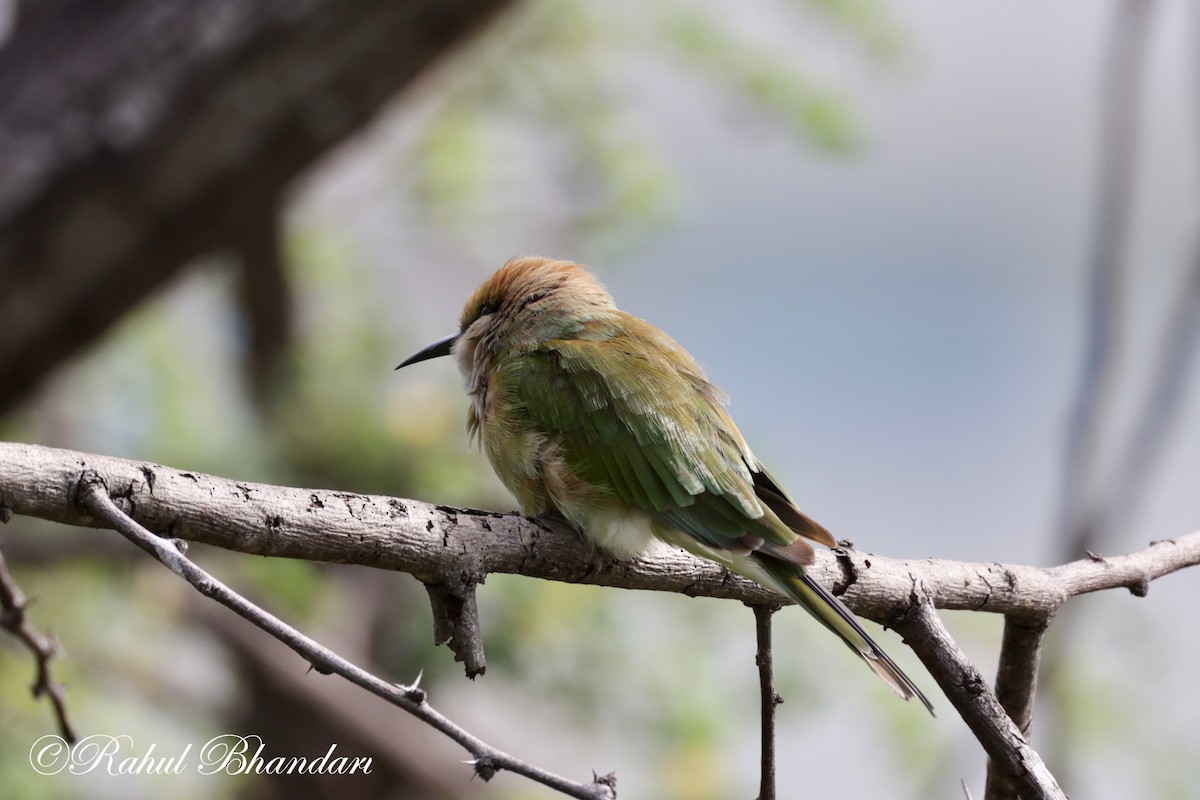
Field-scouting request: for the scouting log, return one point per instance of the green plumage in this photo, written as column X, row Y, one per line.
column 597, row 414
column 656, row 442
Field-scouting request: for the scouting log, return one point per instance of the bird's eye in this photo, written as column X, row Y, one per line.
column 488, row 308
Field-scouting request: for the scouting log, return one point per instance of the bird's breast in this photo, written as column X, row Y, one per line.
column 532, row 466
column 514, row 450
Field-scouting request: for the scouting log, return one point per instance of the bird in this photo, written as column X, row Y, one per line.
column 593, row 413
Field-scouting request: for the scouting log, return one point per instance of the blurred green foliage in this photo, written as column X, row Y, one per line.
column 533, row 110
column 823, row 116
column 539, row 107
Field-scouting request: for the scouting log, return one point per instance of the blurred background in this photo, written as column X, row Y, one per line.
column 942, row 257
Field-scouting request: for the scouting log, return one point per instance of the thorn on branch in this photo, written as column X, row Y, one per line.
column 413, row 691
column 320, row 668
column 484, row 767
column 606, row 784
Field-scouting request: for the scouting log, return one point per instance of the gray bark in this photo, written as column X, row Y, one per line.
column 139, row 134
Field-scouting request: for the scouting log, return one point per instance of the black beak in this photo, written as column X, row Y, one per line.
column 436, row 350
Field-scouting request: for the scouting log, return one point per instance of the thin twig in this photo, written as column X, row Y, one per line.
column 44, row 648
column 770, row 698
column 487, row 760
column 396, row 742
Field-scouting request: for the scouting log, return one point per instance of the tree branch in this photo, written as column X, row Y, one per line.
column 44, row 648
column 438, row 544
column 340, row 711
column 1016, row 688
column 450, row 547
column 1006, row 746
column 770, row 698
column 456, row 624
column 94, row 497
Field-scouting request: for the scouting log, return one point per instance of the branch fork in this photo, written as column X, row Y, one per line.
column 452, row 550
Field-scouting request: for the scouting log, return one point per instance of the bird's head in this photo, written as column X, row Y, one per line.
column 527, row 301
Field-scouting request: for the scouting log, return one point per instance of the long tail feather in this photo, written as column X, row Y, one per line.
column 834, row 615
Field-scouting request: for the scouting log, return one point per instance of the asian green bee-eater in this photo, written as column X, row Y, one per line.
column 590, row 411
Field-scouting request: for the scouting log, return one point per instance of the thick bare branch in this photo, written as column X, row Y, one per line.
column 1006, row 746
column 462, row 546
column 459, row 547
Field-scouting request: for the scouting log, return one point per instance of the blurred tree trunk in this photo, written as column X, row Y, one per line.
column 139, row 134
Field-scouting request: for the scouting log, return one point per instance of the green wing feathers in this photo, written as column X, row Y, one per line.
column 631, row 413
column 622, row 428
column 634, row 414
